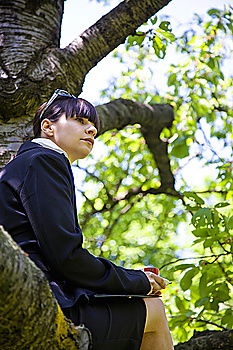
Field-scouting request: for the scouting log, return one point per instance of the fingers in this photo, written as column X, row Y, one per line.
column 157, row 283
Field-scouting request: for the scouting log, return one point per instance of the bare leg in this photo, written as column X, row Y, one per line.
column 156, row 334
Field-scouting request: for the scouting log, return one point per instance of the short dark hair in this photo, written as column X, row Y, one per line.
column 71, row 106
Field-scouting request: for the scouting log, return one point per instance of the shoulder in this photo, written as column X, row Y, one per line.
column 35, row 158
column 34, row 154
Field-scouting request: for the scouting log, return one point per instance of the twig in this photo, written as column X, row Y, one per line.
column 209, row 322
column 198, row 257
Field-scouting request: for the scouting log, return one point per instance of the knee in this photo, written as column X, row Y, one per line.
column 155, row 314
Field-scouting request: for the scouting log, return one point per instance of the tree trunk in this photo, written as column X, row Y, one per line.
column 31, row 63
column 209, row 340
column 30, row 315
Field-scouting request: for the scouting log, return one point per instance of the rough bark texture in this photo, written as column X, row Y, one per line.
column 152, row 118
column 208, row 340
column 30, row 316
column 32, row 64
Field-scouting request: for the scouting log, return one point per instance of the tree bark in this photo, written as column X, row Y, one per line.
column 208, row 340
column 32, row 64
column 153, row 119
column 30, row 315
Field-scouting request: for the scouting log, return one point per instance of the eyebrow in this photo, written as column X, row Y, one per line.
column 79, row 116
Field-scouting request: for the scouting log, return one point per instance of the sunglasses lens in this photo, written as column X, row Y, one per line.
column 62, row 93
column 56, row 94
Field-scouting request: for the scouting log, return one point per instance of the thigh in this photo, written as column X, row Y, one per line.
column 115, row 323
column 155, row 313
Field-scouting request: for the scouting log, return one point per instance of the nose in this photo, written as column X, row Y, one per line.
column 91, row 129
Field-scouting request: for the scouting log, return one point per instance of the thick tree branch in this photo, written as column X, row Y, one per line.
column 121, row 112
column 30, row 316
column 111, row 30
column 208, row 340
column 153, row 118
column 68, row 67
column 46, row 67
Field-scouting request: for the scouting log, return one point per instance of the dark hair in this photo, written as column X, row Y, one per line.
column 71, row 107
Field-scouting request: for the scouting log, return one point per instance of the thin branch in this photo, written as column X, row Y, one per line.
column 193, row 258
column 209, row 322
column 209, row 143
column 212, row 191
column 99, row 180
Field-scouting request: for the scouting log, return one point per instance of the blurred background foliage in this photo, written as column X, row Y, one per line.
column 188, row 238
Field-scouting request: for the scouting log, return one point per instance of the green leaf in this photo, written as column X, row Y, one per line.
column 230, row 223
column 165, row 25
column 192, row 207
column 222, row 205
column 194, row 196
column 186, row 280
column 214, row 305
column 184, row 266
column 214, row 13
column 203, row 217
column 201, row 232
column 227, row 319
column 154, row 19
column 223, row 292
column 159, row 47
column 180, row 151
column 167, row 35
column 201, row 302
column 203, row 290
column 136, row 39
column 180, row 148
column 209, row 242
column 172, row 79
column 180, row 304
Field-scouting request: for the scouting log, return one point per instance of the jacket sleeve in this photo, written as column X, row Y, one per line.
column 47, row 196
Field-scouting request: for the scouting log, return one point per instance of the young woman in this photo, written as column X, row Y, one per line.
column 38, row 208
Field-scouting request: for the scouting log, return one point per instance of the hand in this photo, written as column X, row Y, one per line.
column 156, row 282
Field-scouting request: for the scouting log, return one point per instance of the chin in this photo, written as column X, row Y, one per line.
column 82, row 156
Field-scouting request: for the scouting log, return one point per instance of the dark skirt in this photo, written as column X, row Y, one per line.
column 115, row 323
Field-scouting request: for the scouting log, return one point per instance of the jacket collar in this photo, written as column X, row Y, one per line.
column 49, row 144
column 29, row 145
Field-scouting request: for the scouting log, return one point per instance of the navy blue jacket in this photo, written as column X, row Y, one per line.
column 38, row 209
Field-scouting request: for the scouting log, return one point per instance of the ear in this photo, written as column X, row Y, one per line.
column 47, row 127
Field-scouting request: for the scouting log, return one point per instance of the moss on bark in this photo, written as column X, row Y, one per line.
column 30, row 317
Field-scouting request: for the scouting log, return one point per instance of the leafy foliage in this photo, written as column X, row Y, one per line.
column 116, row 210
column 133, row 229
column 205, row 293
column 158, row 37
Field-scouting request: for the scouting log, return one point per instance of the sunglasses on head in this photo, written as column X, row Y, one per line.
column 57, row 93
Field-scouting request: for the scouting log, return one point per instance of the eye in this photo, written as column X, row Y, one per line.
column 81, row 120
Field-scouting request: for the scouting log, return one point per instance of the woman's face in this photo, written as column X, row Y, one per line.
column 74, row 135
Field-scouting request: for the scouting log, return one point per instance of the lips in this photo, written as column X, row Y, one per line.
column 89, row 140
